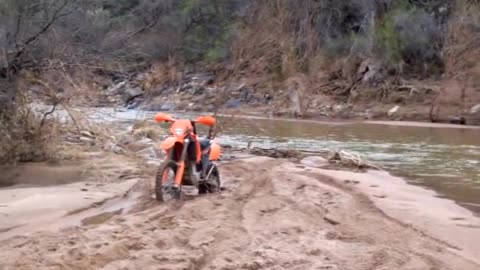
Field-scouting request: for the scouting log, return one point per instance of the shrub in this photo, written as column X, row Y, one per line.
column 410, row 37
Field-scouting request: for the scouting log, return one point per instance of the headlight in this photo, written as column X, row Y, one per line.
column 179, row 131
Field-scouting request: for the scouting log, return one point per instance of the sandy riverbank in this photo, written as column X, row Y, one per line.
column 273, row 215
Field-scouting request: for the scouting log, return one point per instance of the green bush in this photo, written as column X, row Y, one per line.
column 389, row 41
column 408, row 35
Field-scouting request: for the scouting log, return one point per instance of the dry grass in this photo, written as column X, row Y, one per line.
column 147, row 129
column 31, row 132
column 161, row 74
column 26, row 137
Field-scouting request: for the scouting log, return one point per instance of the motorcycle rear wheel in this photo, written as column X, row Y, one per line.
column 212, row 183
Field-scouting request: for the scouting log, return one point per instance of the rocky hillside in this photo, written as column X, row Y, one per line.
column 400, row 59
column 364, row 59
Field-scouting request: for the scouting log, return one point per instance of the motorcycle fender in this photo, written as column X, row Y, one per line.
column 215, row 151
column 169, row 142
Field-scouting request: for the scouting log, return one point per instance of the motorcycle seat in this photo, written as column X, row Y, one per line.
column 204, row 143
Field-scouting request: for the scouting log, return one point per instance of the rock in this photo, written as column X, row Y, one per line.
column 338, row 108
column 393, row 110
column 233, row 103
column 112, row 147
column 203, row 78
column 117, row 89
column 240, row 87
column 369, row 70
column 150, row 132
column 118, row 150
column 87, row 133
column 295, row 101
column 275, row 153
column 331, row 220
column 475, row 109
column 210, row 92
column 268, row 98
column 169, row 106
column 314, row 161
column 154, row 163
column 459, row 120
column 197, row 108
column 147, row 153
column 87, row 140
column 163, row 106
column 135, row 103
column 368, row 114
column 131, row 94
column 198, row 90
column 145, row 141
column 443, row 10
column 209, row 108
column 246, row 95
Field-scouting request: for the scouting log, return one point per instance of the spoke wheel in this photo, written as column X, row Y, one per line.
column 212, row 183
column 166, row 190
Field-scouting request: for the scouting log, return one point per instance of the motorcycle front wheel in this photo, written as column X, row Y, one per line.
column 166, row 190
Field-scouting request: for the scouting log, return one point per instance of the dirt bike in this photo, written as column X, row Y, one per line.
column 189, row 160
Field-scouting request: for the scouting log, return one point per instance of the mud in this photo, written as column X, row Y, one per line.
column 45, row 197
column 272, row 215
column 41, row 174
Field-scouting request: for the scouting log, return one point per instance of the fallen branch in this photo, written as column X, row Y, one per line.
column 350, row 159
column 341, row 157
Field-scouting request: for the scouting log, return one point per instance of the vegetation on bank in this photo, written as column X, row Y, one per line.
column 69, row 51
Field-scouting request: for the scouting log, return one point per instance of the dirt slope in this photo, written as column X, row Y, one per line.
column 271, row 216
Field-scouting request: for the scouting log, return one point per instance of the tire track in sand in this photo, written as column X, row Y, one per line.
column 272, row 216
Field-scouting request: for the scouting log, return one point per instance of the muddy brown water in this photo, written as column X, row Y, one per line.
column 446, row 160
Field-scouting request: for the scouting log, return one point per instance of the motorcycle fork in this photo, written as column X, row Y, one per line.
column 181, row 164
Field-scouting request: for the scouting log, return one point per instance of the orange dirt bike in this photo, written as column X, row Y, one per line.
column 190, row 159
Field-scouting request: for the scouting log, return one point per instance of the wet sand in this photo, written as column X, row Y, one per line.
column 274, row 214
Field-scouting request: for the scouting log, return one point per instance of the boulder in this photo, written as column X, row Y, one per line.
column 314, row 161
column 246, row 95
column 197, row 90
column 87, row 133
column 240, row 87
column 459, row 120
column 117, row 89
column 112, row 147
column 203, row 78
column 154, row 163
column 134, row 103
column 147, row 153
column 475, row 109
column 233, row 103
column 338, row 108
column 296, row 105
column 160, row 106
column 393, row 110
column 268, row 98
column 369, row 70
column 145, row 141
column 87, row 140
column 131, row 94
